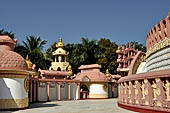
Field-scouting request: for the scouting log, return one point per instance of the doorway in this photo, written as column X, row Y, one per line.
column 84, row 92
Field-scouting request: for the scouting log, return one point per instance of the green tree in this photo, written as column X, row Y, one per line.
column 10, row 34
column 138, row 46
column 82, row 53
column 33, row 47
column 107, row 55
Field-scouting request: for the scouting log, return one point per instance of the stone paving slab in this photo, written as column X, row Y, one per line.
column 79, row 106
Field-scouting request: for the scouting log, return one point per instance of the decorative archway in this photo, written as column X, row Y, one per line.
column 58, row 69
column 84, row 91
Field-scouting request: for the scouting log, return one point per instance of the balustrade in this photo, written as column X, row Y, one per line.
column 149, row 90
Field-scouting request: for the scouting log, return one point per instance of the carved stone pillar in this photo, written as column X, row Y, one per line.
column 78, row 88
column 131, row 93
column 48, row 89
column 59, row 91
column 69, row 91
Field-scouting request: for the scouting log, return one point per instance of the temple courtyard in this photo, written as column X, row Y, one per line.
column 80, row 106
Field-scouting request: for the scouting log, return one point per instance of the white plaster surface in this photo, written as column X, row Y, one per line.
column 12, row 88
column 43, row 93
column 98, row 89
column 73, row 91
column 159, row 60
column 43, row 96
column 53, row 93
column 64, row 92
column 141, row 68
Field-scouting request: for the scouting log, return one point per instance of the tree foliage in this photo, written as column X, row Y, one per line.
column 33, row 47
column 86, row 52
column 10, row 34
column 139, row 47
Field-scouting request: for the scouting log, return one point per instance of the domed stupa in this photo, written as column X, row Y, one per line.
column 14, row 78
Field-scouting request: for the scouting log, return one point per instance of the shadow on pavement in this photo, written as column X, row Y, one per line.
column 39, row 105
column 5, row 111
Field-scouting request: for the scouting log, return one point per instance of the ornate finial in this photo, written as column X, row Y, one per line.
column 27, row 58
column 107, row 73
column 69, row 70
column 60, row 39
column 169, row 12
column 29, row 63
column 60, row 43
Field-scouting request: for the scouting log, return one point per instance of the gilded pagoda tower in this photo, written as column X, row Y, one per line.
column 60, row 63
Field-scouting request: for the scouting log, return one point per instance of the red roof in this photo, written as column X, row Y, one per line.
column 53, row 73
column 91, row 66
column 8, row 58
column 93, row 76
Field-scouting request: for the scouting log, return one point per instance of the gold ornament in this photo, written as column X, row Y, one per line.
column 26, row 84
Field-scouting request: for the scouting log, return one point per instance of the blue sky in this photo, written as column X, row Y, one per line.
column 119, row 20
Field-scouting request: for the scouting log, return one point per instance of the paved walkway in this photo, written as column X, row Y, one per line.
column 80, row 106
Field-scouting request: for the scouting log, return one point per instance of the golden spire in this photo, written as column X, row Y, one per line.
column 69, row 70
column 169, row 12
column 60, row 43
column 29, row 63
column 107, row 73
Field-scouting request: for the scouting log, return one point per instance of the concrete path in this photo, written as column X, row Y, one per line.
column 80, row 106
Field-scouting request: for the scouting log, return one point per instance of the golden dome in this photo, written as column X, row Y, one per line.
column 29, row 63
column 60, row 43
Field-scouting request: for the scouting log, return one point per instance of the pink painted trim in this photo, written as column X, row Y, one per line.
column 131, row 67
column 148, row 75
column 142, row 109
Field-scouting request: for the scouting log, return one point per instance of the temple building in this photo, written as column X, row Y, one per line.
column 14, row 76
column 55, row 83
column 145, row 86
column 20, row 84
column 93, row 82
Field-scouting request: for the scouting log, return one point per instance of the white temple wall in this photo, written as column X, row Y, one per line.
column 64, row 92
column 43, row 93
column 97, row 90
column 12, row 88
column 77, row 93
column 73, row 91
column 53, row 93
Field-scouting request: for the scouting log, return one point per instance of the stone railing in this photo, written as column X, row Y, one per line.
column 139, row 57
column 158, row 33
column 143, row 92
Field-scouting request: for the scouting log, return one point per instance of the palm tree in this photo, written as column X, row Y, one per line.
column 10, row 34
column 33, row 47
column 33, row 43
